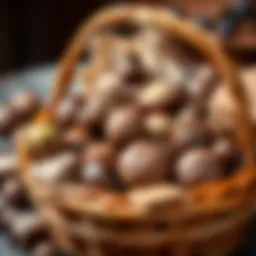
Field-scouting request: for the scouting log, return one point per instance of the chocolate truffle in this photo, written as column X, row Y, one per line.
column 8, row 166
column 123, row 124
column 76, row 138
column 143, row 163
column 46, row 248
column 66, row 112
column 7, row 119
column 157, row 124
column 27, row 229
column 197, row 166
column 26, row 105
column 14, row 193
column 93, row 112
column 204, row 82
column 161, row 95
column 63, row 167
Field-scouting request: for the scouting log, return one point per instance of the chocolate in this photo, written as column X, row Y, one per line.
column 158, row 125
column 204, row 82
column 46, row 248
column 197, row 166
column 123, row 124
column 97, row 174
column 14, row 193
column 27, row 229
column 143, row 163
column 93, row 112
column 75, row 138
column 161, row 96
column 7, row 119
column 8, row 166
column 100, row 152
column 26, row 105
column 66, row 112
column 63, row 167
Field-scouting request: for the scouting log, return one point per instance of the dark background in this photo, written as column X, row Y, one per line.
column 36, row 31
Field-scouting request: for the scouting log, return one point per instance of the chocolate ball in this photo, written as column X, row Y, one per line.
column 100, row 152
column 203, row 84
column 157, row 124
column 8, row 166
column 123, row 124
column 97, row 174
column 63, row 167
column 7, row 119
column 129, row 66
column 27, row 229
column 188, row 132
column 75, row 138
column 15, row 193
column 66, row 112
column 46, row 248
column 197, row 166
column 143, row 163
column 93, row 112
column 161, row 95
column 26, row 105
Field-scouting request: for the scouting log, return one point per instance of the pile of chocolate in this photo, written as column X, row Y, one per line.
column 137, row 125
column 18, row 216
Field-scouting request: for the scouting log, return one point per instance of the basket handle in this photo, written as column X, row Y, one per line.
column 170, row 24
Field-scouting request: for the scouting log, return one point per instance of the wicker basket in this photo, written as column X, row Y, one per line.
column 209, row 219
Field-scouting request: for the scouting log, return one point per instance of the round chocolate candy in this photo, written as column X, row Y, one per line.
column 8, row 166
column 75, row 138
column 100, row 152
column 123, row 124
column 27, row 229
column 26, row 105
column 157, row 124
column 196, row 166
column 161, row 96
column 93, row 112
column 15, row 193
column 97, row 174
column 203, row 84
column 66, row 112
column 7, row 119
column 228, row 154
column 63, row 167
column 46, row 248
column 143, row 163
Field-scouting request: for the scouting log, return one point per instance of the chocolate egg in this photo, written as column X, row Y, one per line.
column 197, row 166
column 123, row 124
column 26, row 105
column 161, row 95
column 158, row 124
column 7, row 119
column 100, row 152
column 65, row 112
column 143, row 163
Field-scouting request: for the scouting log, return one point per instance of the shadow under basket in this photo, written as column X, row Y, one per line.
column 206, row 220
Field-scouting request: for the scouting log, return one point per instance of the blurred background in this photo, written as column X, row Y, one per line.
column 36, row 31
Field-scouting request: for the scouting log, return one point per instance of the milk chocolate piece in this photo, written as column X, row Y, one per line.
column 123, row 124
column 63, row 167
column 26, row 105
column 143, row 163
column 197, row 166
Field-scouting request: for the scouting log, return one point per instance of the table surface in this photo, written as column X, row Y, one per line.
column 40, row 80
